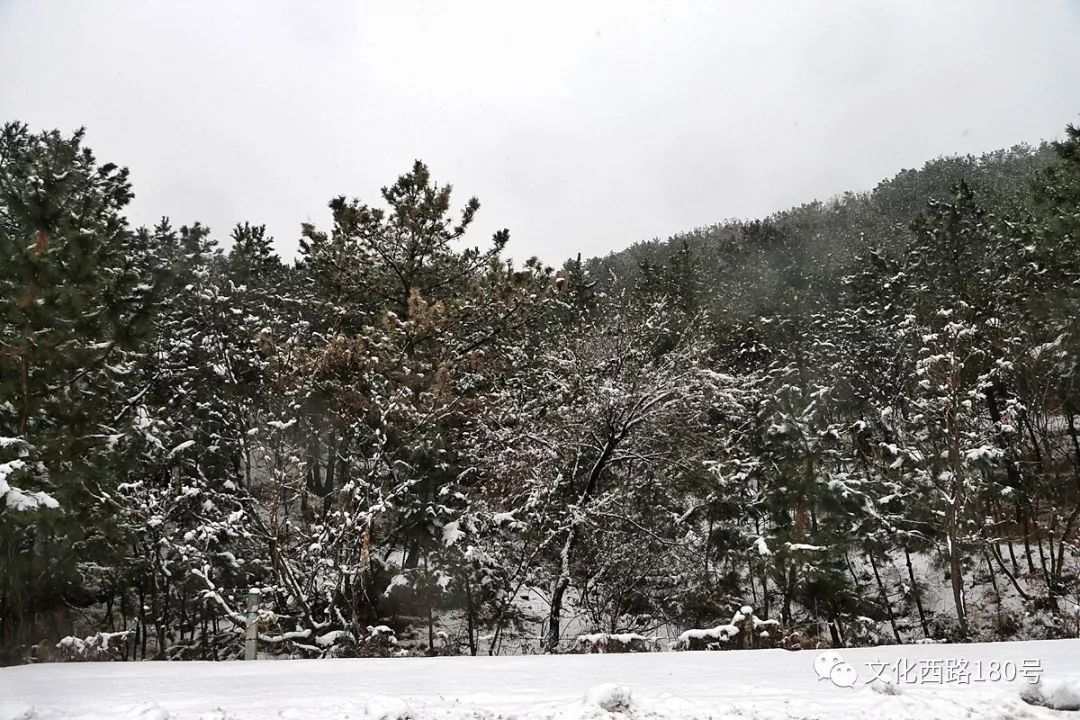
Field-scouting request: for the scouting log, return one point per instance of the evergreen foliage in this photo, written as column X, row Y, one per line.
column 858, row 416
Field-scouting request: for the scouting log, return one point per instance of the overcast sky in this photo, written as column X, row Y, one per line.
column 582, row 126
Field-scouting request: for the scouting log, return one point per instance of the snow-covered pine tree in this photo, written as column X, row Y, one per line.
column 76, row 299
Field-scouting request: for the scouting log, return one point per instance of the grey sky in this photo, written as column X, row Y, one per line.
column 582, row 126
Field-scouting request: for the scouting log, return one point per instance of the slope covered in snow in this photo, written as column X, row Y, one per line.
column 935, row 681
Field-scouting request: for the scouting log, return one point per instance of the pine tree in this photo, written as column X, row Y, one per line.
column 76, row 297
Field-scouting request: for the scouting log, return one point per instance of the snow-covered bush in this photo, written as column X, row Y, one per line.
column 746, row 630
column 863, row 631
column 802, row 640
column 376, row 641
column 96, row 647
column 380, row 641
column 612, row 643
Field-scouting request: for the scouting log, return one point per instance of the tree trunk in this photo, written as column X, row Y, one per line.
column 997, row 595
column 885, row 599
column 558, row 590
column 470, row 617
column 955, row 568
column 789, row 590
column 916, row 594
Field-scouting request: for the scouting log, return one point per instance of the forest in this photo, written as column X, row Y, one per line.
column 854, row 422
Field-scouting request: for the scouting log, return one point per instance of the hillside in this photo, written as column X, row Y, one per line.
column 825, row 238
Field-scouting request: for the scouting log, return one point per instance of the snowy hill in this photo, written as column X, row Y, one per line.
column 942, row 681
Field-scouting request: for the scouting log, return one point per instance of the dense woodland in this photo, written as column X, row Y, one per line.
column 857, row 416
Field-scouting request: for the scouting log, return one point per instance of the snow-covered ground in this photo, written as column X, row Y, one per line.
column 944, row 681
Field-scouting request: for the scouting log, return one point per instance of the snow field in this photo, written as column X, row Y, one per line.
column 751, row 684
